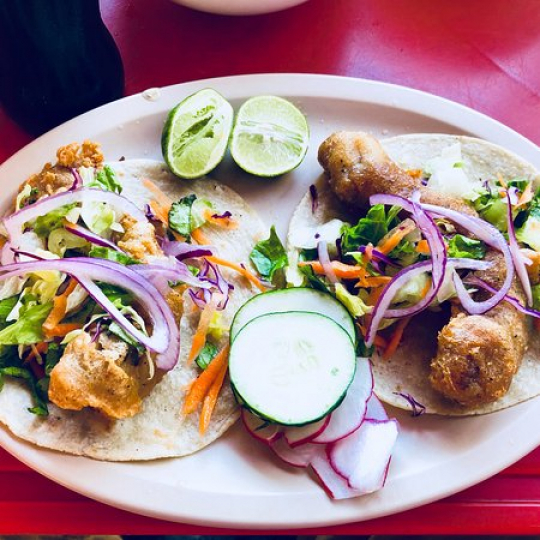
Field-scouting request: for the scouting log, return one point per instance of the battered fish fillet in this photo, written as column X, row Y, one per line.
column 96, row 374
column 477, row 354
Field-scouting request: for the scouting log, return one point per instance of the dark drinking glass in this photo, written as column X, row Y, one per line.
column 57, row 60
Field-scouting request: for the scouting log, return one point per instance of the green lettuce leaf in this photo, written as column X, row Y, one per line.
column 53, row 220
column 369, row 229
column 101, row 252
column 207, row 354
column 180, row 215
column 354, row 304
column 463, row 247
column 106, row 179
column 27, row 329
column 269, row 257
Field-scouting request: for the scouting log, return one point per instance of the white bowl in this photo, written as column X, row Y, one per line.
column 239, row 7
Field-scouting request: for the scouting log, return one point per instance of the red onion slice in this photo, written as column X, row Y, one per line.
column 512, row 300
column 165, row 338
column 15, row 222
column 435, row 241
column 89, row 236
column 381, row 311
column 517, row 256
column 324, row 259
column 492, row 237
column 183, row 250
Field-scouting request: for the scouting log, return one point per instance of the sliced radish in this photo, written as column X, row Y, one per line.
column 375, row 409
column 334, row 484
column 260, row 429
column 364, row 456
column 296, row 436
column 300, row 456
column 349, row 415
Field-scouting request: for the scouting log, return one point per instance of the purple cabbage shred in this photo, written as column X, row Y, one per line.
column 417, row 409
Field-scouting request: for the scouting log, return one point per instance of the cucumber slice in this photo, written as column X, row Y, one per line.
column 296, row 299
column 292, row 368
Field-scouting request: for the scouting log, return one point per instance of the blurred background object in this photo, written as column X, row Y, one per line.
column 57, row 60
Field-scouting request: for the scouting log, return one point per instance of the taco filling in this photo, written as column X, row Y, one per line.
column 431, row 234
column 108, row 299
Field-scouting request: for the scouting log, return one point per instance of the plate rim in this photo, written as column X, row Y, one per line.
column 309, row 86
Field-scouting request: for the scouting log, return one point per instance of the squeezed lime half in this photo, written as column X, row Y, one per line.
column 270, row 136
column 196, row 134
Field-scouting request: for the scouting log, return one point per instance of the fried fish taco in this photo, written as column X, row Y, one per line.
column 118, row 286
column 433, row 244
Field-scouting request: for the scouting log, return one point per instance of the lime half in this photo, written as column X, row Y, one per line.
column 196, row 133
column 270, row 136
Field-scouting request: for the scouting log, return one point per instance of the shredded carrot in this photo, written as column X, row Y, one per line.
column 374, row 295
column 423, row 247
column 210, row 400
column 373, row 281
column 368, row 253
column 58, row 311
column 252, row 278
column 199, row 339
column 164, row 201
column 415, row 173
column 426, row 288
column 225, row 222
column 36, row 350
column 501, row 181
column 61, row 330
column 342, row 270
column 526, row 196
column 379, row 341
column 396, row 338
column 396, row 236
column 202, row 384
column 160, row 212
column 199, row 237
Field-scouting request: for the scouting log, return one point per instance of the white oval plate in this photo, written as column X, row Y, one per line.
column 236, row 482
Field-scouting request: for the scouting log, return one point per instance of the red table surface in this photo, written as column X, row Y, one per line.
column 484, row 54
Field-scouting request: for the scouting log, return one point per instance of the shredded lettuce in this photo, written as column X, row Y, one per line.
column 269, row 257
column 187, row 214
column 354, row 304
column 412, row 292
column 101, row 252
column 27, row 329
column 369, row 229
column 98, row 217
column 53, row 220
column 529, row 232
column 24, row 194
column 106, row 179
column 463, row 247
column 217, row 327
column 60, row 240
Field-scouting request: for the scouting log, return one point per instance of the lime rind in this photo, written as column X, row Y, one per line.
column 270, row 136
column 196, row 134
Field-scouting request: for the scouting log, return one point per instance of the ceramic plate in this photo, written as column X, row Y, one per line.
column 236, row 482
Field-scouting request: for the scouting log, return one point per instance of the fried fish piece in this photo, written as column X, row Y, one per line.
column 139, row 239
column 477, row 355
column 358, row 167
column 99, row 375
